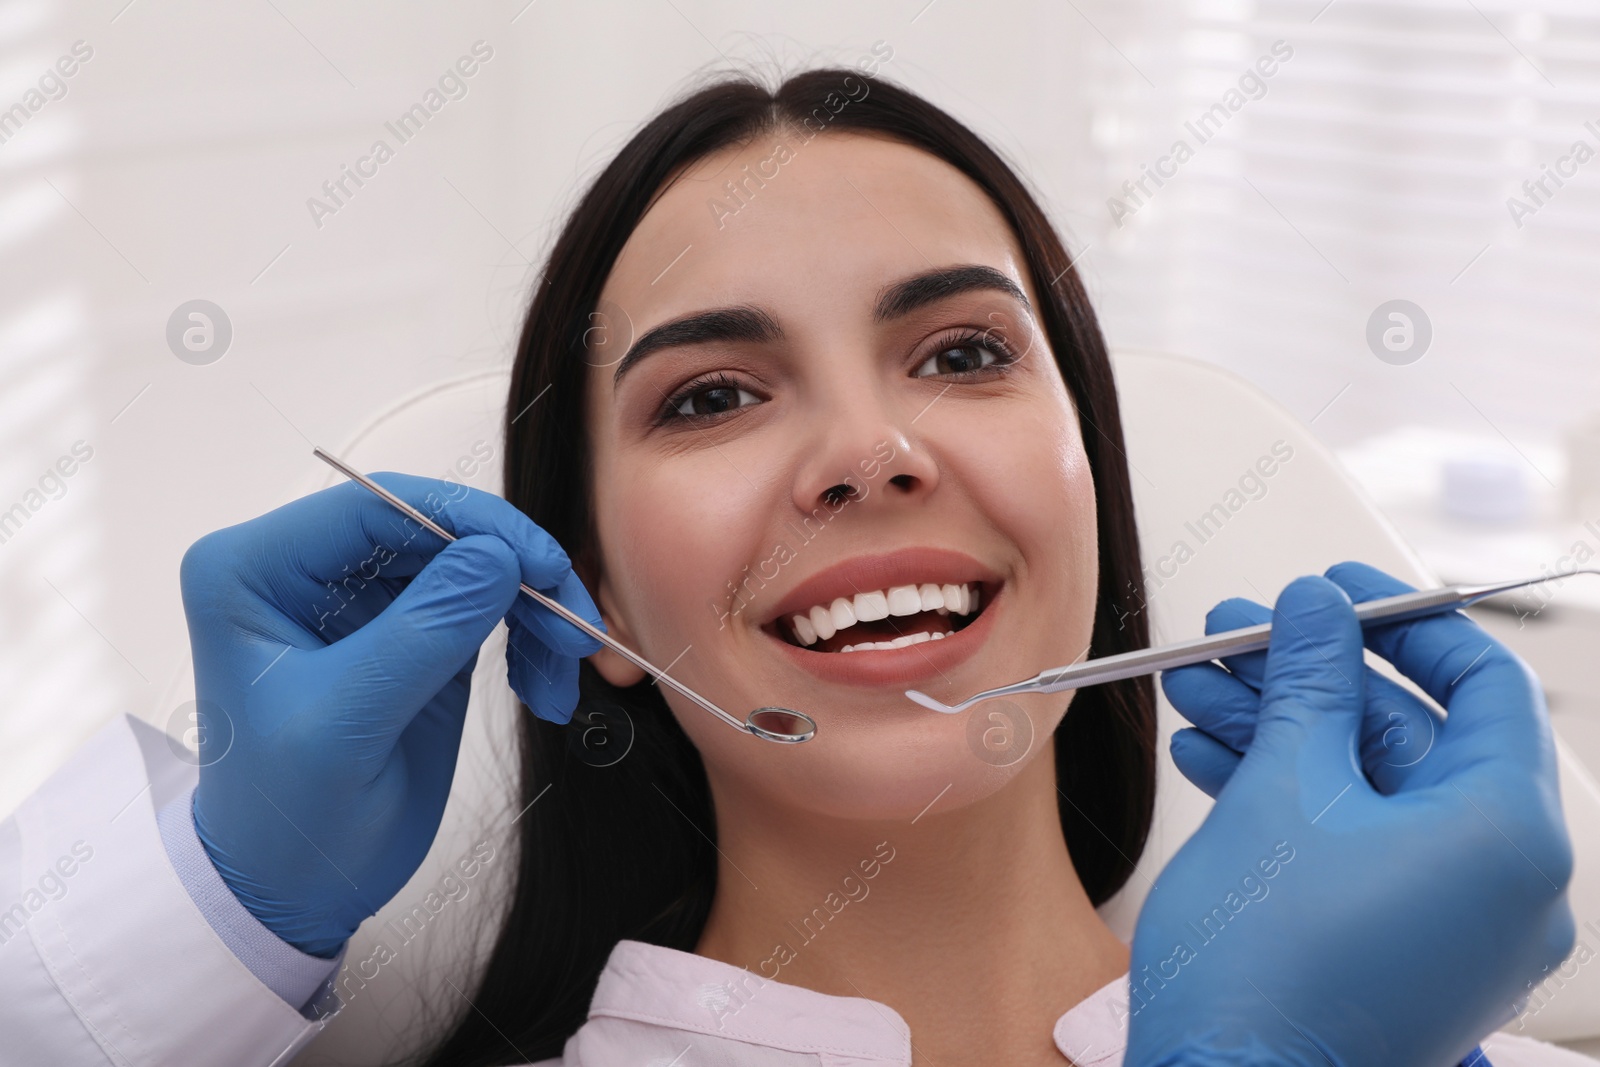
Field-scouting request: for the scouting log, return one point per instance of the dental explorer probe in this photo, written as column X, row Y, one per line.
column 1234, row 642
column 784, row 725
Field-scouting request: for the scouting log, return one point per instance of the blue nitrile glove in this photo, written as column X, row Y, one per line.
column 334, row 641
column 1313, row 919
column 1397, row 730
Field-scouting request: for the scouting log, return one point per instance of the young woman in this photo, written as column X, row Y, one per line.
column 857, row 362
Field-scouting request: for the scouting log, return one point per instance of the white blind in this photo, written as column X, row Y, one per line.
column 1376, row 164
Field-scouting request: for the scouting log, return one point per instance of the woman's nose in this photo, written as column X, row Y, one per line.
column 862, row 460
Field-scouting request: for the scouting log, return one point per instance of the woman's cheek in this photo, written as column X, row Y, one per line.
column 1065, row 517
column 1080, row 519
column 1038, row 476
column 664, row 543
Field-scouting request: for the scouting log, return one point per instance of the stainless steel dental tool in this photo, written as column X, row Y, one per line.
column 782, row 724
column 1234, row 642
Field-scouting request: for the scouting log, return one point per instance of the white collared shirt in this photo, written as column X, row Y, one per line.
column 655, row 1007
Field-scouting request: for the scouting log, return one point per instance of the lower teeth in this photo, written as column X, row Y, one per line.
column 899, row 642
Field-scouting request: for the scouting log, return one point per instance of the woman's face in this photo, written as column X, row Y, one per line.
column 859, row 317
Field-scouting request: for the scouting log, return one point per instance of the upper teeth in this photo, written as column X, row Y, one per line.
column 825, row 620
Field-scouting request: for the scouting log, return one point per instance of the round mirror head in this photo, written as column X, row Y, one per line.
column 781, row 724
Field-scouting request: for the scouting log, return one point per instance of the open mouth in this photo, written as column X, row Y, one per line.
column 884, row 619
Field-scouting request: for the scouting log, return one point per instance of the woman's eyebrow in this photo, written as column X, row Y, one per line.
column 906, row 296
column 750, row 324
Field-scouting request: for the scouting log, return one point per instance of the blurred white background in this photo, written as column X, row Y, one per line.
column 177, row 161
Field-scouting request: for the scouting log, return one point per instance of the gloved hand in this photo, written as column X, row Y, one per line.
column 334, row 641
column 1397, row 729
column 1315, row 919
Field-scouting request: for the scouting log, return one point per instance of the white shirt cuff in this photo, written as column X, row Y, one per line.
column 303, row 980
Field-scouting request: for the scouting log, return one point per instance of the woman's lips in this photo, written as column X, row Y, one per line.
column 908, row 666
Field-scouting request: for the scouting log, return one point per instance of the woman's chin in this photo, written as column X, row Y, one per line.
column 878, row 769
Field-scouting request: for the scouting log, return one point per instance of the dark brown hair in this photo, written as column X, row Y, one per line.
column 601, row 858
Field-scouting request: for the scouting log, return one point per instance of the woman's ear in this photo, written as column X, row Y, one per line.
column 612, row 667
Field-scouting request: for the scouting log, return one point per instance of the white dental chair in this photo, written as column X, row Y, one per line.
column 1193, row 432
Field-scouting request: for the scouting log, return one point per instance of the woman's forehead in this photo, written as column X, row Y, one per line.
column 804, row 228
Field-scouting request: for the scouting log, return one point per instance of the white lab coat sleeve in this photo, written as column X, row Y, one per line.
column 304, row 981
column 104, row 958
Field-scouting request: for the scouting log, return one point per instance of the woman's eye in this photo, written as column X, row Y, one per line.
column 964, row 358
column 712, row 398
column 722, row 394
